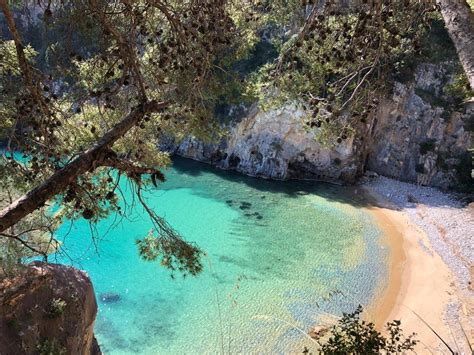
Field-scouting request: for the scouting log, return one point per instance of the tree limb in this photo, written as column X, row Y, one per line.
column 86, row 161
column 359, row 85
column 125, row 46
column 130, row 168
column 31, row 80
column 24, row 243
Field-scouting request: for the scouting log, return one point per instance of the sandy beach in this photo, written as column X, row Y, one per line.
column 429, row 278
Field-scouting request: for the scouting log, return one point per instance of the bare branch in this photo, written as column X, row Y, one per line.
column 358, row 86
column 24, row 243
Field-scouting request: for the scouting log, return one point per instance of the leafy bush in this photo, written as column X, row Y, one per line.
column 50, row 347
column 420, row 168
column 56, row 307
column 441, row 162
column 459, row 90
column 465, row 171
column 351, row 335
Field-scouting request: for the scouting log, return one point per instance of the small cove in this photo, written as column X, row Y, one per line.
column 278, row 253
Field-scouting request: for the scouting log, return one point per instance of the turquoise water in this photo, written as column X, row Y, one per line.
column 276, row 254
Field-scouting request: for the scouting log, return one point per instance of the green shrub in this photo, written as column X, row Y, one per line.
column 56, row 307
column 351, row 335
column 464, row 171
column 433, row 99
column 13, row 324
column 50, row 347
column 469, row 124
column 441, row 162
column 420, row 168
column 459, row 90
column 437, row 44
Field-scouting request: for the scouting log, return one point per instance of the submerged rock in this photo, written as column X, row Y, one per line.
column 47, row 309
column 318, row 331
column 110, row 297
column 244, row 205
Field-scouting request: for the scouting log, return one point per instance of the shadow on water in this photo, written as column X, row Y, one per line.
column 407, row 196
column 190, row 167
column 291, row 188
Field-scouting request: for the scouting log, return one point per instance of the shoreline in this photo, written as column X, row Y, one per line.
column 419, row 279
column 387, row 295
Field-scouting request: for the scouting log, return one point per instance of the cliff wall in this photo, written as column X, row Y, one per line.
column 417, row 135
column 276, row 145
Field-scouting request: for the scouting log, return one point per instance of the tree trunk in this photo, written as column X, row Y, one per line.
column 459, row 20
column 87, row 161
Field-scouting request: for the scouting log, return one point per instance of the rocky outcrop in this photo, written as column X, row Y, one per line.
column 275, row 144
column 47, row 309
column 418, row 137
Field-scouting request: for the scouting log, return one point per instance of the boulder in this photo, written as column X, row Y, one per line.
column 109, row 297
column 318, row 331
column 47, row 309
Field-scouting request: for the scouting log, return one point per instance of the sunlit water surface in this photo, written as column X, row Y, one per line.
column 276, row 254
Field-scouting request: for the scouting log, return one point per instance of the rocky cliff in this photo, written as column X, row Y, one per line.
column 276, row 145
column 419, row 136
column 415, row 136
column 47, row 309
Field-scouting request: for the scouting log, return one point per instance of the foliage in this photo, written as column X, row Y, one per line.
column 335, row 62
column 75, row 70
column 50, row 347
column 88, row 65
column 459, row 90
column 56, row 307
column 465, row 172
column 174, row 254
column 352, row 335
column 13, row 324
column 9, row 67
column 37, row 237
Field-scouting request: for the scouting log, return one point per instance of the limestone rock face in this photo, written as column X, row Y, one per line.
column 274, row 144
column 417, row 138
column 47, row 309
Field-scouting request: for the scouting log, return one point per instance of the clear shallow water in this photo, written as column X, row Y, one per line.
column 260, row 274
